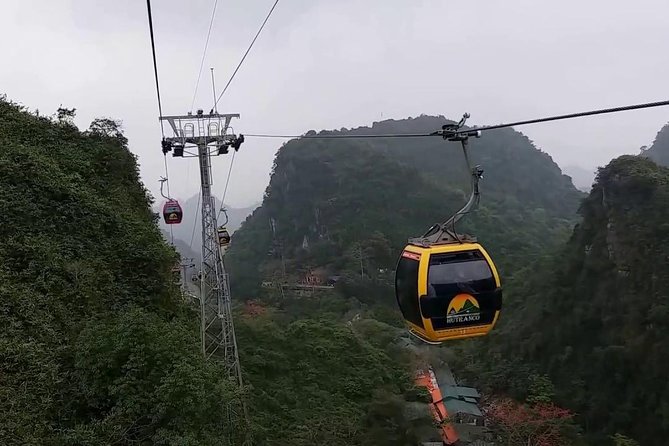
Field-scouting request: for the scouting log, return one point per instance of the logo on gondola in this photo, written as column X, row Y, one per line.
column 463, row 308
column 411, row 255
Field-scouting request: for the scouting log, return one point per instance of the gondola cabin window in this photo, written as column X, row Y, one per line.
column 461, row 291
column 466, row 272
column 406, row 286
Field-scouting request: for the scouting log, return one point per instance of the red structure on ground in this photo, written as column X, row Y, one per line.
column 426, row 378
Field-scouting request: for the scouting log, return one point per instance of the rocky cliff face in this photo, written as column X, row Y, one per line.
column 596, row 316
column 659, row 151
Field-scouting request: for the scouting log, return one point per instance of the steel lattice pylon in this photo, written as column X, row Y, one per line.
column 217, row 326
column 209, row 133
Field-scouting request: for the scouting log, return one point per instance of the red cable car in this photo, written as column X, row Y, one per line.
column 172, row 212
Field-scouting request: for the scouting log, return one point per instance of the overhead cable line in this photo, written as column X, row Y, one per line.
column 204, row 53
column 167, row 180
column 347, row 136
column 245, row 54
column 213, row 88
column 576, row 115
column 232, row 162
column 155, row 65
column 489, row 127
column 234, row 73
column 160, row 106
column 227, row 181
column 197, row 210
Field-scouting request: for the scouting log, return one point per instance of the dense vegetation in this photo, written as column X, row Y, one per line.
column 97, row 347
column 316, row 380
column 595, row 317
column 563, row 329
column 345, row 208
column 328, row 198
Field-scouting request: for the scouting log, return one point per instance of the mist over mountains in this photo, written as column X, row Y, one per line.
column 580, row 176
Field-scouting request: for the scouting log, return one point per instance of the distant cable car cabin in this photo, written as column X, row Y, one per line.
column 446, row 284
column 223, row 237
column 172, row 212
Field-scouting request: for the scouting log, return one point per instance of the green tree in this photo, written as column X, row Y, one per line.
column 540, row 390
column 65, row 116
column 107, row 127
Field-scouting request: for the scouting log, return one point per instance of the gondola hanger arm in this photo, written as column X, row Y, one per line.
column 162, row 181
column 225, row 212
column 453, row 132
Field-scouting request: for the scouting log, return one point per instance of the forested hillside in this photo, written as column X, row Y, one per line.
column 317, row 379
column 97, row 347
column 346, row 208
column 595, row 317
column 328, row 197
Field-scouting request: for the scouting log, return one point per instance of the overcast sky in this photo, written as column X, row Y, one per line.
column 324, row 64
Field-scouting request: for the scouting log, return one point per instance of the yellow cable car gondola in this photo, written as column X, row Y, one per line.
column 446, row 284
